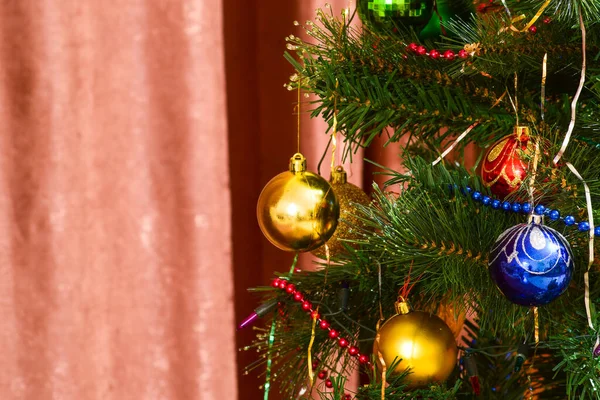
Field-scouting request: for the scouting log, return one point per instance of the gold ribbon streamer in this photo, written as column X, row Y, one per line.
column 311, row 375
column 586, row 275
column 537, row 15
column 383, row 368
column 543, row 94
column 576, row 98
column 453, row 145
column 334, row 128
column 536, row 325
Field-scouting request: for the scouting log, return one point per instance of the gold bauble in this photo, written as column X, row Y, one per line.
column 297, row 210
column 348, row 196
column 424, row 343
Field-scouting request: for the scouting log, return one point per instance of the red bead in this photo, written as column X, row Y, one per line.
column 434, row 54
column 353, row 350
column 532, row 29
column 547, row 20
column 328, row 383
column 449, row 55
column 322, row 374
column 421, row 50
column 291, row 289
column 315, row 363
column 282, row 284
column 315, row 315
column 306, row 305
column 323, row 324
column 462, row 53
column 333, row 334
column 298, row 296
column 347, row 396
column 275, row 282
column 412, row 47
column 343, row 342
column 363, row 359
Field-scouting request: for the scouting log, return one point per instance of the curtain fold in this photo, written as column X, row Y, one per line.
column 115, row 216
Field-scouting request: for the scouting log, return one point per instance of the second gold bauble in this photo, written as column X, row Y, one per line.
column 297, row 210
column 424, row 343
column 349, row 196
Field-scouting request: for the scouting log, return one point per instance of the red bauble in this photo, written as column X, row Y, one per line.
column 505, row 165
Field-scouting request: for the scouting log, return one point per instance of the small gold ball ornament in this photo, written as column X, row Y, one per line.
column 424, row 343
column 348, row 196
column 297, row 210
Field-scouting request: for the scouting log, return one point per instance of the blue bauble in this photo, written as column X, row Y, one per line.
column 531, row 264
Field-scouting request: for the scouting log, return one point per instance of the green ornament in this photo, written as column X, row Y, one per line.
column 443, row 11
column 384, row 15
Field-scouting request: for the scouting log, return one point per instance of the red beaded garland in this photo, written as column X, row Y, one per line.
column 532, row 29
column 449, row 55
column 347, row 396
column 352, row 350
column 547, row 20
column 275, row 282
column 298, row 296
column 322, row 374
column 363, row 359
column 421, row 50
column 323, row 324
column 315, row 363
column 412, row 47
column 291, row 289
column 282, row 284
column 306, row 305
column 434, row 54
column 328, row 383
column 462, row 53
column 333, row 333
column 343, row 342
column 315, row 315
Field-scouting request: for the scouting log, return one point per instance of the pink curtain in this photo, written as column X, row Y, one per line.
column 115, row 214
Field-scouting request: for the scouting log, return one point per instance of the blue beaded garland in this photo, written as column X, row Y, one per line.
column 526, row 208
column 597, row 231
column 506, row 206
column 531, row 264
column 554, row 215
column 539, row 209
column 496, row 204
column 516, row 207
column 476, row 196
column 486, row 200
column 583, row 226
column 569, row 220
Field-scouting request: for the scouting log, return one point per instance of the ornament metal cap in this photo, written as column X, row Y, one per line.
column 523, row 132
column 402, row 306
column 338, row 175
column 297, row 163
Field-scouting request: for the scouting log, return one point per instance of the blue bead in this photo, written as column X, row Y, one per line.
column 516, row 207
column 539, row 209
column 496, row 204
column 597, row 231
column 583, row 226
column 526, row 208
column 531, row 264
column 476, row 195
column 569, row 220
column 469, row 190
column 554, row 215
column 506, row 206
column 486, row 200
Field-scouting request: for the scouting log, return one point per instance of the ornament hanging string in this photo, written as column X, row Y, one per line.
column 334, row 127
column 576, row 97
column 298, row 110
column 586, row 275
column 506, row 8
column 543, row 94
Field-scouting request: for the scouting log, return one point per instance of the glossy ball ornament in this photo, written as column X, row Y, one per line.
column 531, row 264
column 505, row 166
column 424, row 343
column 443, row 12
column 384, row 16
column 349, row 224
column 297, row 210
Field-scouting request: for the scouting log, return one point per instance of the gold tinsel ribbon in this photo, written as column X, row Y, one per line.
column 576, row 97
column 311, row 373
column 586, row 275
column 453, row 145
column 379, row 355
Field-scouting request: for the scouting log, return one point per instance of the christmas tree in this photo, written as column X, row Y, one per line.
column 474, row 280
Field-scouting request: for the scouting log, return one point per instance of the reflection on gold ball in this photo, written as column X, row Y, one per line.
column 297, row 210
column 424, row 343
column 349, row 225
